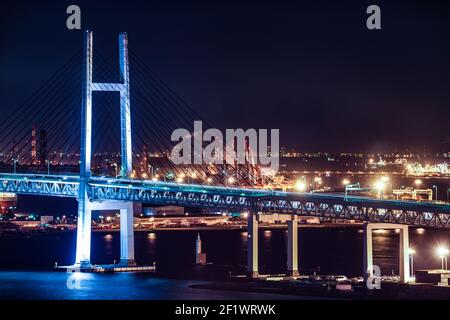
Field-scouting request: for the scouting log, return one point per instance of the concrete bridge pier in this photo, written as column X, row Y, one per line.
column 403, row 249
column 84, row 224
column 292, row 246
column 126, row 227
column 127, row 235
column 252, row 244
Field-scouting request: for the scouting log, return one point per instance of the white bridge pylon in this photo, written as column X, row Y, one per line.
column 85, row 206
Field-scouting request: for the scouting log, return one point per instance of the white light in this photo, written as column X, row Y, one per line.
column 300, row 186
column 231, row 180
column 345, row 182
column 442, row 251
column 380, row 185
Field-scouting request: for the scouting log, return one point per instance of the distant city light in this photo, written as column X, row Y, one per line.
column 418, row 182
column 300, row 186
column 380, row 185
column 231, row 180
column 345, row 182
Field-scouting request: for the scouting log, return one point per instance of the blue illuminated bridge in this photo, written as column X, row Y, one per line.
column 322, row 205
column 122, row 192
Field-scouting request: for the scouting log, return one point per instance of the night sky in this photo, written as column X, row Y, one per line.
column 310, row 68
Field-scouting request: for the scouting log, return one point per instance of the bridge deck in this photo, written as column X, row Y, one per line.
column 323, row 205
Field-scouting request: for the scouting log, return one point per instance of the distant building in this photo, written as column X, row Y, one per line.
column 46, row 219
column 42, row 147
column 8, row 202
column 163, row 211
column 33, row 144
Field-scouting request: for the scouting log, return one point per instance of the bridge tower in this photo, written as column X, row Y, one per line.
column 85, row 206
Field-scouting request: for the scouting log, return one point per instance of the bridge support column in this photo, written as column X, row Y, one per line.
column 252, row 245
column 126, row 227
column 127, row 235
column 367, row 252
column 292, row 247
column 83, row 251
column 404, row 255
column 404, row 271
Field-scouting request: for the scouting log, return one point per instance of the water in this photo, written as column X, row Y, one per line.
column 25, row 262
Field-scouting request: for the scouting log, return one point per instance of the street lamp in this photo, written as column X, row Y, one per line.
column 442, row 252
column 380, row 185
column 345, row 182
column 300, row 186
column 411, row 253
column 418, row 182
column 386, row 179
column 436, row 188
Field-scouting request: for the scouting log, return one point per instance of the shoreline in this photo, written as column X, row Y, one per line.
column 26, row 232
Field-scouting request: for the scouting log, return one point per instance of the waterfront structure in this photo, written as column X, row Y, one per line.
column 8, row 202
column 200, row 257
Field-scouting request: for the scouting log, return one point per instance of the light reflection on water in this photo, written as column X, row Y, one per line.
column 337, row 251
column 125, row 286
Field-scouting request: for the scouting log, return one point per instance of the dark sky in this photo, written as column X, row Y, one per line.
column 310, row 68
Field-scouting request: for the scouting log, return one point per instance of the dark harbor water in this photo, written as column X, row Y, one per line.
column 25, row 262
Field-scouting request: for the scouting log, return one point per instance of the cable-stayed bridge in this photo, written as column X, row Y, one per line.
column 116, row 179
